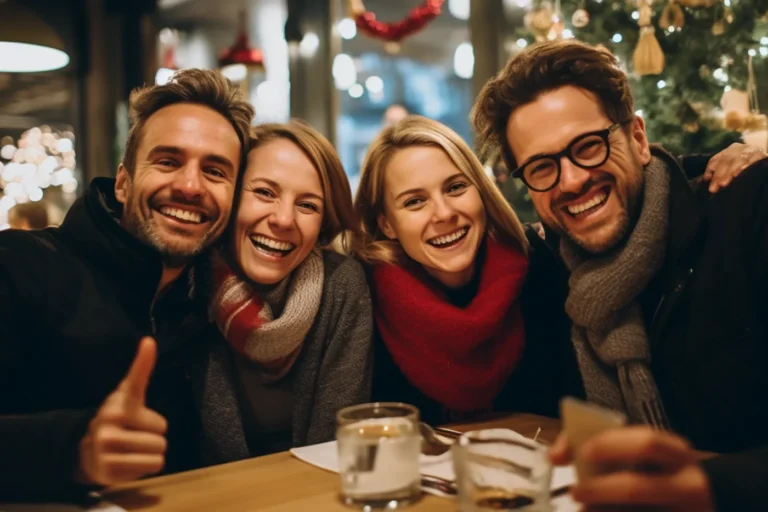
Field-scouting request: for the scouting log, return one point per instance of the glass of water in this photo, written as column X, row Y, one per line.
column 379, row 446
column 501, row 470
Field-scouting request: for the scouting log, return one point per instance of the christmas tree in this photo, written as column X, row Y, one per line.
column 705, row 51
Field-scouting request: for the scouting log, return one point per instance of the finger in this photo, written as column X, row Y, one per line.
column 629, row 488
column 121, row 412
column 136, row 381
column 638, row 445
column 129, row 466
column 559, row 452
column 117, row 440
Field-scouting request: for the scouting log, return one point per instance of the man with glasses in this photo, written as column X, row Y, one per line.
column 668, row 284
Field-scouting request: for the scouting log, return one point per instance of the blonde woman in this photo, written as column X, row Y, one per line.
column 293, row 316
column 463, row 299
column 468, row 306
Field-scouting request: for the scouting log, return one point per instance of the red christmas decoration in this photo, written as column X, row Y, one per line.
column 417, row 19
column 241, row 52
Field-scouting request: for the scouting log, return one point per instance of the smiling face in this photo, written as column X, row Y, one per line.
column 435, row 213
column 179, row 196
column 595, row 208
column 280, row 213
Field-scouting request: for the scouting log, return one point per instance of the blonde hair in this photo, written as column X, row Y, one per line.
column 371, row 245
column 338, row 214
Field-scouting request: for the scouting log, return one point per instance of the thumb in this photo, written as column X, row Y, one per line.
column 136, row 381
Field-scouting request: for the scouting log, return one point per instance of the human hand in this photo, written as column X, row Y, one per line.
column 670, row 480
column 125, row 440
column 729, row 163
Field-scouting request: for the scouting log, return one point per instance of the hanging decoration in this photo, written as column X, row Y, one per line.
column 539, row 21
column 724, row 18
column 742, row 112
column 393, row 33
column 672, row 16
column 241, row 53
column 558, row 25
column 648, row 59
column 580, row 18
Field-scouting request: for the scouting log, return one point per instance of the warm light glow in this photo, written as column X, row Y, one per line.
column 163, row 76
column 347, row 28
column 235, row 73
column 459, row 9
column 356, row 91
column 344, row 72
column 464, row 61
column 30, row 58
column 374, row 84
column 309, row 45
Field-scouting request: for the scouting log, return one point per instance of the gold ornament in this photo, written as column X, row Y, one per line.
column 718, row 28
column 580, row 18
column 648, row 58
column 672, row 16
column 556, row 32
column 539, row 22
column 691, row 127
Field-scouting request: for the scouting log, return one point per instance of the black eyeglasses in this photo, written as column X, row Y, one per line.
column 589, row 151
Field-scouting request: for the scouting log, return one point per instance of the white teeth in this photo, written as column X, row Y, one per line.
column 181, row 214
column 274, row 244
column 446, row 239
column 575, row 209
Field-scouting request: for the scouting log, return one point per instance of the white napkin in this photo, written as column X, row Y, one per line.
column 325, row 456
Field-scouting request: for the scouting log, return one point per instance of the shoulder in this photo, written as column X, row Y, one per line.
column 746, row 196
column 344, row 275
column 30, row 247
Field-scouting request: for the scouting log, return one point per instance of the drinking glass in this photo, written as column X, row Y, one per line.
column 501, row 470
column 379, row 446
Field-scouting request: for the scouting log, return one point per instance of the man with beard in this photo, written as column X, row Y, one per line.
column 668, row 284
column 98, row 316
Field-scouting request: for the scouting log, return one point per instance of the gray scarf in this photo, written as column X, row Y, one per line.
column 608, row 329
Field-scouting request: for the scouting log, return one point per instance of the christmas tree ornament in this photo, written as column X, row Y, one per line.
column 539, row 21
column 558, row 25
column 648, row 58
column 672, row 16
column 704, row 71
column 580, row 18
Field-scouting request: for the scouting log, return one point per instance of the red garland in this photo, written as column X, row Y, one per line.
column 417, row 19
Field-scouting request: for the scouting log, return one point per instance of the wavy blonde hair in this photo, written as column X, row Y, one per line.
column 371, row 245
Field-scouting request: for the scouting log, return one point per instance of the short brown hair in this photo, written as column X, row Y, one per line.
column 338, row 215
column 371, row 245
column 540, row 68
column 199, row 86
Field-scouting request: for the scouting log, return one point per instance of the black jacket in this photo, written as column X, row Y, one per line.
column 74, row 302
column 707, row 317
column 547, row 370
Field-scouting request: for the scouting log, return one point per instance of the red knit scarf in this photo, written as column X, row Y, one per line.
column 460, row 357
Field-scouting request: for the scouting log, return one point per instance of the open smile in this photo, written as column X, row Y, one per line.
column 449, row 240
column 589, row 203
column 270, row 247
column 182, row 215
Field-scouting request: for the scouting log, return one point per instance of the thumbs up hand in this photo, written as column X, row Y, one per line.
column 125, row 440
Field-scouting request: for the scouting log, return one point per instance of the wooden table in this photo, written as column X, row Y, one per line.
column 279, row 482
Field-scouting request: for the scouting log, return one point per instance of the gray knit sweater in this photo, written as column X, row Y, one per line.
column 333, row 370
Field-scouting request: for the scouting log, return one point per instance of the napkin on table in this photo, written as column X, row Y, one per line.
column 325, row 456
